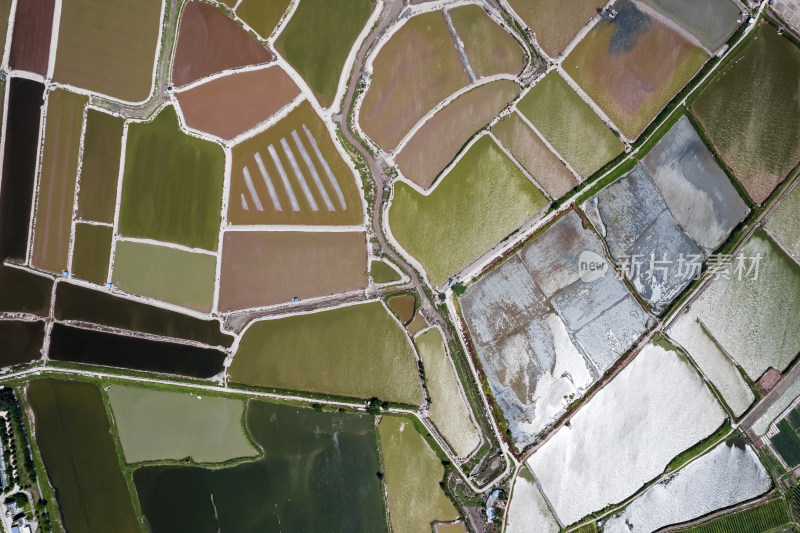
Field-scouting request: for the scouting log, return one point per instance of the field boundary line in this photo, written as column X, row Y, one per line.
column 37, row 175
column 165, row 244
column 225, row 73
column 482, row 264
column 520, row 167
column 54, row 33
column 145, row 300
column 449, row 99
column 461, row 393
column 76, row 192
column 344, row 77
column 135, row 334
column 3, row 128
column 287, row 305
column 117, row 203
column 223, row 222
column 260, row 128
column 593, row 105
column 12, row 17
column 94, row 223
column 459, row 45
column 552, row 148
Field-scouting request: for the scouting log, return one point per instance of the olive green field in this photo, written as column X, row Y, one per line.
column 172, row 185
column 481, row 200
column 175, row 276
column 318, row 38
column 356, row 351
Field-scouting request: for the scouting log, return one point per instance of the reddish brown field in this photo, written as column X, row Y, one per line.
column 57, row 182
column 415, row 70
column 271, row 267
column 534, row 156
column 30, row 43
column 435, row 144
column 403, row 306
column 623, row 78
column 233, row 104
column 210, row 42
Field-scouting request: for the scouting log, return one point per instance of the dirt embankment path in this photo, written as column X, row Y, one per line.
column 392, row 10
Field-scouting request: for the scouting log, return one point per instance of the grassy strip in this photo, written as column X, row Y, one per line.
column 722, row 433
column 127, row 469
column 459, row 358
column 48, row 494
column 662, row 130
column 623, row 169
column 367, row 185
column 720, row 162
column 764, row 517
column 434, row 445
column 591, row 527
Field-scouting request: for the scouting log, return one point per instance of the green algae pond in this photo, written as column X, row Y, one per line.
column 74, row 436
column 317, row 472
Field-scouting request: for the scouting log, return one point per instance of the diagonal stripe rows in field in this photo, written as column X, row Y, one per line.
column 299, row 176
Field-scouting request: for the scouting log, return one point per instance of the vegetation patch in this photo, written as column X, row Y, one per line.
column 764, row 517
column 312, row 264
column 92, row 347
column 210, row 42
column 262, row 16
column 22, row 291
column 19, row 166
column 102, row 145
column 489, row 48
column 448, row 406
column 534, row 155
column 57, row 180
column 382, row 272
column 231, row 105
column 787, row 444
column 416, row 68
column 317, row 473
column 554, row 22
column 435, row 144
column 403, row 306
column 82, row 304
column 293, row 174
column 712, row 22
column 21, row 342
column 92, row 252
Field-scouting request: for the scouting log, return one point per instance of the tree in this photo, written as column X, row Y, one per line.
column 374, row 406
